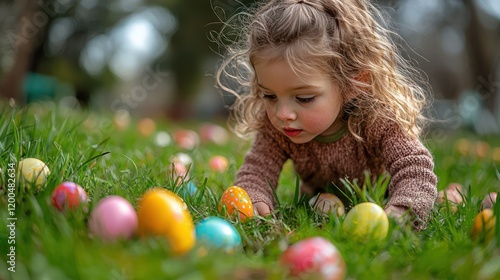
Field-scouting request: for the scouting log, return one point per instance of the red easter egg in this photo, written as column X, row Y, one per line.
column 237, row 199
column 314, row 258
column 68, row 195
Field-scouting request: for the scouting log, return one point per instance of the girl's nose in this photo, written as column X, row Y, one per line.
column 286, row 113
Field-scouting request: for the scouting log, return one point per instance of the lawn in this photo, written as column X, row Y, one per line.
column 87, row 148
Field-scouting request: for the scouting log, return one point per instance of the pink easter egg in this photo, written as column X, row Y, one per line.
column 218, row 163
column 314, row 258
column 186, row 139
column 214, row 133
column 489, row 200
column 113, row 218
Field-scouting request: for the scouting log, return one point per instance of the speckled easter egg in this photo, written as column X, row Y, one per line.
column 113, row 218
column 314, row 258
column 366, row 221
column 483, row 228
column 489, row 200
column 32, row 171
column 215, row 232
column 68, row 195
column 236, row 199
column 218, row 163
column 325, row 203
column 163, row 213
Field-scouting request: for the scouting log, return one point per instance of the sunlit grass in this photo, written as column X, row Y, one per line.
column 84, row 147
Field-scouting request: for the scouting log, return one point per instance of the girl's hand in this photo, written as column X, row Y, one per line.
column 398, row 213
column 261, row 209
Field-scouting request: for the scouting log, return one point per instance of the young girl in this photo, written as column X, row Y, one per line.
column 321, row 84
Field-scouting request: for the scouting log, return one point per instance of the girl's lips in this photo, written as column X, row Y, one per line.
column 291, row 132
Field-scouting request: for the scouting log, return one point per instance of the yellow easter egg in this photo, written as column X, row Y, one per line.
column 325, row 203
column 366, row 221
column 484, row 225
column 163, row 213
column 236, row 199
column 32, row 172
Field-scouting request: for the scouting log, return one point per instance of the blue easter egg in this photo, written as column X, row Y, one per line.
column 216, row 232
column 189, row 190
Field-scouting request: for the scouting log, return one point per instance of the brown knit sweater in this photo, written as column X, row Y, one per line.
column 386, row 148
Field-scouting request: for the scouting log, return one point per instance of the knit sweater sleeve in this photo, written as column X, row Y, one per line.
column 261, row 167
column 410, row 164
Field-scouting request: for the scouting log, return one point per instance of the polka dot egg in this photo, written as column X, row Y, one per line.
column 236, row 199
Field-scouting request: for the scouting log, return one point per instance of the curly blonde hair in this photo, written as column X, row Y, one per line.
column 339, row 37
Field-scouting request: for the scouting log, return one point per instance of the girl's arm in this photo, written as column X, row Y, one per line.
column 410, row 164
column 261, row 169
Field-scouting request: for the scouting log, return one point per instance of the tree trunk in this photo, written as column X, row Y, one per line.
column 24, row 41
column 481, row 63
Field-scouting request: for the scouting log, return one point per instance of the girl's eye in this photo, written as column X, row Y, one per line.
column 305, row 99
column 270, row 97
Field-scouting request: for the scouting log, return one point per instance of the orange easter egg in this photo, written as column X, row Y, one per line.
column 163, row 213
column 484, row 225
column 237, row 199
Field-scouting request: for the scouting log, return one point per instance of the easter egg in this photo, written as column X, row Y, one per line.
column 186, row 139
column 162, row 139
column 146, row 127
column 452, row 196
column 483, row 228
column 314, row 258
column 68, row 195
column 180, row 166
column 489, row 200
column 215, row 232
column 213, row 133
column 495, row 155
column 182, row 159
column 188, row 190
column 113, row 218
column 218, row 163
column 121, row 119
column 236, row 200
column 366, row 221
column 163, row 213
column 325, row 203
column 32, row 171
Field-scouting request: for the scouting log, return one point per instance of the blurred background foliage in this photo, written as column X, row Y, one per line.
column 154, row 58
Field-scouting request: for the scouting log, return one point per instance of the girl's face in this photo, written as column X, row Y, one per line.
column 300, row 106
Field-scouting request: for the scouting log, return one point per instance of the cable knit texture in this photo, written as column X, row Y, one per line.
column 386, row 148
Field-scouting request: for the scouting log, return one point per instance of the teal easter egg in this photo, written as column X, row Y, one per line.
column 215, row 232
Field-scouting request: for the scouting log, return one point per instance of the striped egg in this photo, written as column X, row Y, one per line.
column 236, row 199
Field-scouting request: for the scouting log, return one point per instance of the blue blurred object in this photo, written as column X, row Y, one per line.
column 218, row 233
column 189, row 190
column 39, row 87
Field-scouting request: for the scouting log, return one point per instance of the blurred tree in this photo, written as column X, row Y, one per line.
column 191, row 45
column 482, row 66
column 23, row 40
column 50, row 37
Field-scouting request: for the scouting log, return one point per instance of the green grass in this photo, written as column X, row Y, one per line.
column 84, row 147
